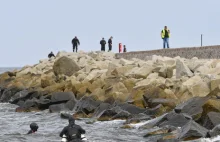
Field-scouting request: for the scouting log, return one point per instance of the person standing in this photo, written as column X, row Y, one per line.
column 75, row 43
column 125, row 49
column 165, row 35
column 110, row 44
column 103, row 43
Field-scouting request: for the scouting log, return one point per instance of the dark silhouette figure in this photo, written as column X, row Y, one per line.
column 51, row 55
column 75, row 43
column 103, row 43
column 125, row 49
column 110, row 44
column 33, row 127
column 72, row 131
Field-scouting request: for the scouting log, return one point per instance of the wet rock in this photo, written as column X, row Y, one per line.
column 66, row 66
column 61, row 97
column 174, row 119
column 107, row 115
column 131, row 108
column 192, row 107
column 214, row 132
column 65, row 115
column 121, row 115
column 8, row 93
column 71, row 104
column 137, row 118
column 192, row 131
column 18, row 96
column 87, row 105
column 100, row 109
column 212, row 119
column 58, row 108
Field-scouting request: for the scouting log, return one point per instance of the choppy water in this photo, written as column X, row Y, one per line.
column 14, row 126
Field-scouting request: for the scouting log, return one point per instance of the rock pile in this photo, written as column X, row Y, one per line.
column 98, row 85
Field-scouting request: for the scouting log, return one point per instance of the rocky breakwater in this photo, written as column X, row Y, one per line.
column 179, row 96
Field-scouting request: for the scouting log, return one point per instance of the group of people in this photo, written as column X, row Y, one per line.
column 72, row 132
column 165, row 35
column 76, row 43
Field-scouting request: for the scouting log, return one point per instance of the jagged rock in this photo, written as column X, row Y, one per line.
column 192, row 107
column 131, row 108
column 214, row 132
column 211, row 120
column 66, row 66
column 8, row 93
column 140, row 72
column 94, row 74
column 192, row 131
column 101, row 109
column 19, row 95
column 47, row 81
column 214, row 83
column 87, row 105
column 196, row 86
column 182, row 69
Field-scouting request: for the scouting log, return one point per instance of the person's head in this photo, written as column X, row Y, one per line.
column 165, row 27
column 75, row 36
column 111, row 37
column 103, row 38
column 34, row 127
column 124, row 46
column 71, row 121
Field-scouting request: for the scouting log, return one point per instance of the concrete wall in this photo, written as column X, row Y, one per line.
column 206, row 52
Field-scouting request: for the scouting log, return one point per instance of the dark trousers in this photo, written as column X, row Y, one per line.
column 103, row 48
column 109, row 47
column 75, row 47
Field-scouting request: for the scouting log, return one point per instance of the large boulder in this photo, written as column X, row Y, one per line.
column 182, row 69
column 66, row 66
column 196, row 86
column 94, row 74
column 192, row 131
column 140, row 72
column 8, row 93
column 192, row 107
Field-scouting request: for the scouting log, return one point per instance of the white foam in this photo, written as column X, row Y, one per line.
column 215, row 139
column 138, row 125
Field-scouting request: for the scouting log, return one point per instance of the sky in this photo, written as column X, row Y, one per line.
column 29, row 30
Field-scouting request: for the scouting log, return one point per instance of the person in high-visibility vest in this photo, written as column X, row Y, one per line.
column 165, row 35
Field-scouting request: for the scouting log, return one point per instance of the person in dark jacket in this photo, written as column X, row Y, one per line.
column 51, row 55
column 110, row 44
column 103, row 43
column 125, row 49
column 33, row 127
column 75, row 43
column 72, row 131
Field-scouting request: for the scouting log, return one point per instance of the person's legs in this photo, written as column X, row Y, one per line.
column 73, row 48
column 76, row 48
column 164, row 43
column 109, row 48
column 167, row 41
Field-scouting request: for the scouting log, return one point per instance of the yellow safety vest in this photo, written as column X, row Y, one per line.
column 163, row 33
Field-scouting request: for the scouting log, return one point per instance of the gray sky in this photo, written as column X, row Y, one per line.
column 30, row 29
